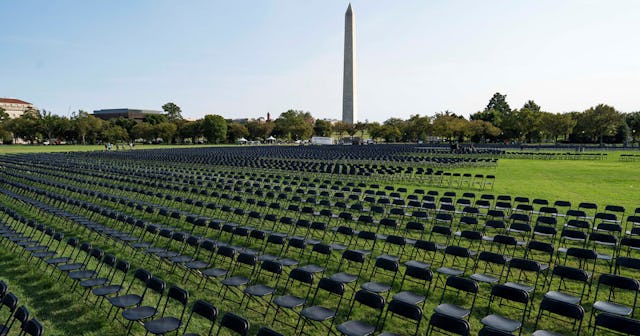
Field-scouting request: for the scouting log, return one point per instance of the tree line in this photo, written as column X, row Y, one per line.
column 497, row 122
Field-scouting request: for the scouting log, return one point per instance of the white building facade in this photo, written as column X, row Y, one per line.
column 15, row 107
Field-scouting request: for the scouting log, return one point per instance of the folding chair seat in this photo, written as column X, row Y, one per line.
column 342, row 237
column 546, row 227
column 243, row 270
column 632, row 222
column 386, row 267
column 129, row 299
column 423, row 255
column 350, row 268
column 113, row 286
column 224, row 257
column 77, row 266
column 263, row 285
column 496, row 225
column 523, row 208
column 463, row 289
column 444, row 233
column 195, row 265
column 503, row 206
column 519, row 273
column 505, row 245
column 620, row 304
column 449, row 324
column 302, row 282
column 566, row 293
column 233, row 323
column 95, row 281
column 599, row 241
column 520, row 225
column 460, row 257
column 573, row 312
column 489, row 267
column 394, row 247
column 325, row 315
column 508, row 297
column 374, row 302
column 589, row 208
column 542, row 252
column 141, row 312
column 444, row 219
column 470, row 239
column 365, row 242
column 414, row 230
column 496, row 214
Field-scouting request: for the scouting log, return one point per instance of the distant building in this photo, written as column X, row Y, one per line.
column 15, row 107
column 135, row 114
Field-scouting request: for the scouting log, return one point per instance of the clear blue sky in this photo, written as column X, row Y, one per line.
column 244, row 58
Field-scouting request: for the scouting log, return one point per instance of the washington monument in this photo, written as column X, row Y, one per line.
column 349, row 86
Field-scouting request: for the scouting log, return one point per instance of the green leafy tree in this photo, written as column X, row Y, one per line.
column 214, row 128
column 125, row 123
column 114, row 133
column 451, row 126
column 529, row 123
column 165, row 131
column 391, row 133
column 322, row 128
column 236, row 131
column 499, row 103
column 143, row 131
column 341, row 128
column 556, row 125
column 375, row 130
column 191, row 130
column 483, row 130
column 393, row 125
column 361, row 127
column 260, row 130
column 294, row 125
column 603, row 120
column 492, row 116
column 418, row 128
column 4, row 116
column 155, row 119
column 531, row 105
column 173, row 111
column 633, row 121
column 27, row 126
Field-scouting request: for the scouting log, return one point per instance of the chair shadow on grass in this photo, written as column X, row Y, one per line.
column 53, row 303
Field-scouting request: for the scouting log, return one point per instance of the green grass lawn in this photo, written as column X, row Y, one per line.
column 64, row 312
column 603, row 182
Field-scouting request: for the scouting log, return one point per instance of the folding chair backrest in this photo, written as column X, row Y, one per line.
column 234, row 323
column 450, row 324
column 33, row 327
column 621, row 324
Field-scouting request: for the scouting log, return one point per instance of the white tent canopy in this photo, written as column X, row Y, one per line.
column 271, row 138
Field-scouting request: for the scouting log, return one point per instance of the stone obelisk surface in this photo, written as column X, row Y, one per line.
column 349, row 94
